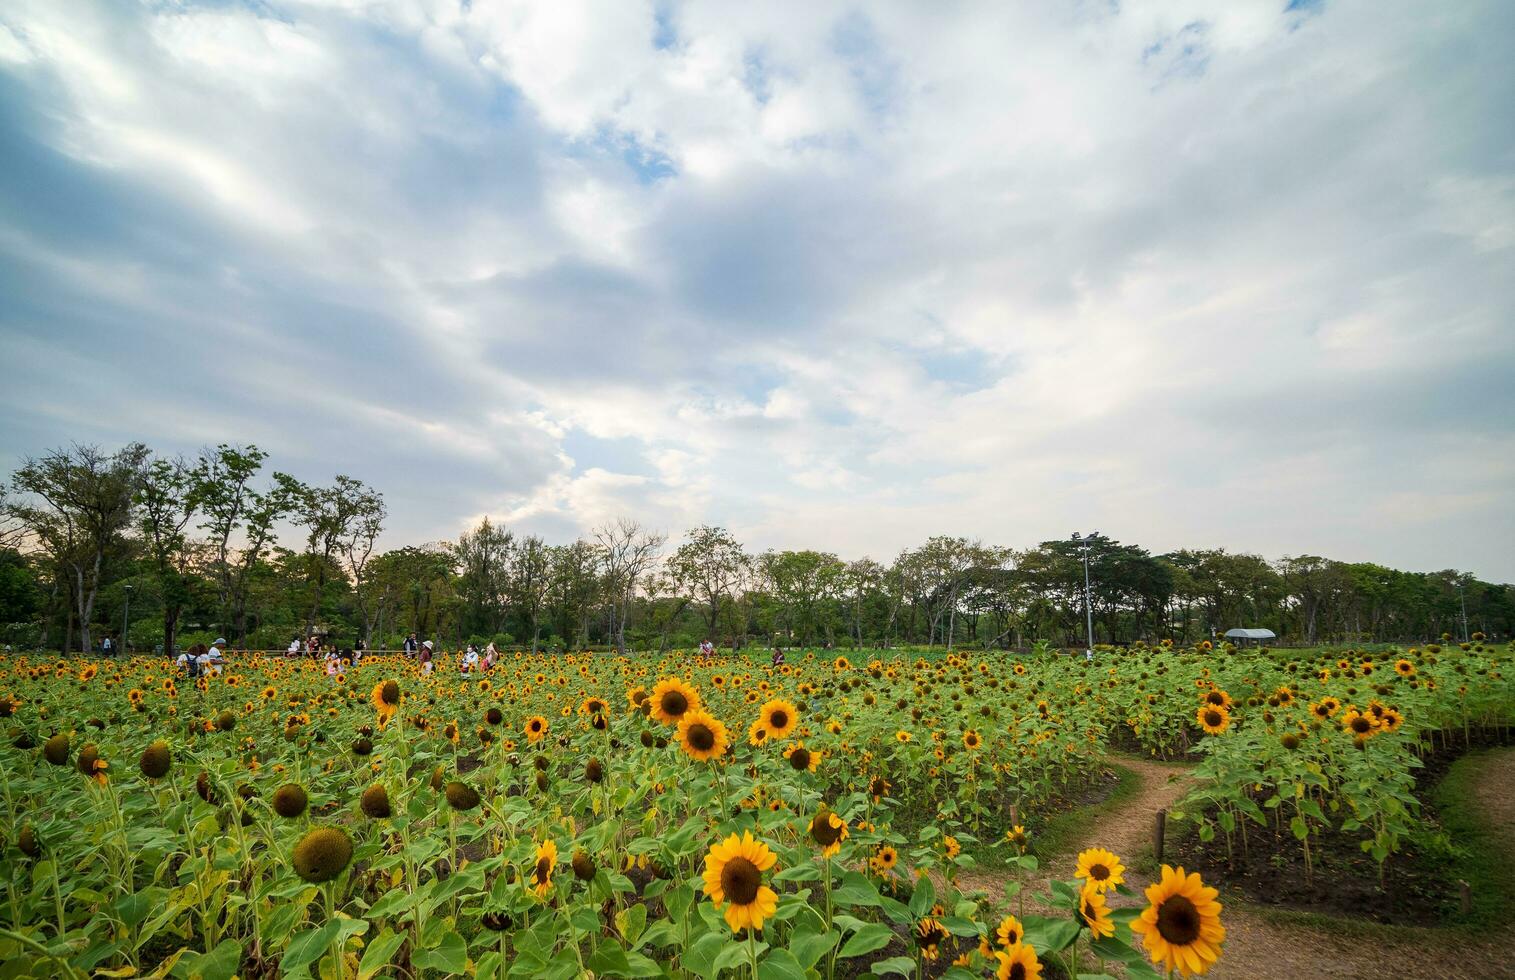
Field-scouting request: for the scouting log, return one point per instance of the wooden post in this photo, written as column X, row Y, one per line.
column 1465, row 897
column 1158, row 828
column 1015, row 815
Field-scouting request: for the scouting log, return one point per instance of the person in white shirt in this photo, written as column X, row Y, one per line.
column 471, row 659
column 105, row 646
column 294, row 648
column 211, row 660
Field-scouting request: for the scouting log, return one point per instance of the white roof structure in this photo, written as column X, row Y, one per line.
column 1251, row 634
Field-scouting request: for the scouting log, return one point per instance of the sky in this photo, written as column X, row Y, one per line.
column 840, row 276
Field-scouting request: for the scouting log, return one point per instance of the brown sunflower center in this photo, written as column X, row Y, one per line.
column 1098, row 872
column 543, row 871
column 701, row 738
column 822, row 831
column 779, row 718
column 1017, row 971
column 1213, row 718
column 1361, row 725
column 390, row 693
column 674, row 703
column 740, row 879
column 1178, row 921
column 800, row 759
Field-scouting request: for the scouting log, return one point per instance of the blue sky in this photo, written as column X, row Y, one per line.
column 834, row 275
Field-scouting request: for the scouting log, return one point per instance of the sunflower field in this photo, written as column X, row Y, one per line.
column 603, row 816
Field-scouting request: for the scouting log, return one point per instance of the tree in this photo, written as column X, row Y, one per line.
column 166, row 504
column 482, row 557
column 573, row 588
column 357, row 547
column 239, row 520
column 336, row 517
column 710, row 567
column 77, row 504
column 413, row 588
column 626, row 552
column 804, row 585
column 530, row 571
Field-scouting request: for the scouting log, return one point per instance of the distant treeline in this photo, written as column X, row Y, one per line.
column 211, row 545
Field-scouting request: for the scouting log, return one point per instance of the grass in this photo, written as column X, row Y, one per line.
column 1482, row 855
column 1066, row 829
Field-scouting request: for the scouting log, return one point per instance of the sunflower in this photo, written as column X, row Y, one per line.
column 541, row 871
column 1010, row 931
column 1404, row 668
column 734, row 878
column 1095, row 913
column 594, row 706
column 156, row 759
column 536, row 727
column 971, row 740
column 1018, row 962
column 1218, row 698
column 1181, row 923
column 386, row 700
column 671, row 699
column 322, row 854
column 884, row 859
column 1100, row 868
column 803, row 759
column 929, row 936
column 1359, row 723
column 828, row 830
column 1213, row 720
column 701, row 736
column 778, row 718
column 1017, row 835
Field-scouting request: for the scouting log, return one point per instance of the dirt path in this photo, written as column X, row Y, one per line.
column 1259, row 948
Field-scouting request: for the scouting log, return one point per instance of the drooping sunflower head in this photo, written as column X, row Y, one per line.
column 929, row 936
column 90, row 763
column 461, row 796
column 778, row 718
column 734, row 880
column 672, row 699
column 701, row 736
column 1100, row 868
column 322, row 854
column 156, row 760
column 375, row 802
column 289, row 800
column 583, row 866
column 55, row 749
column 1180, row 926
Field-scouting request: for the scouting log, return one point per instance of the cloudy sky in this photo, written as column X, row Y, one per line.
column 841, row 276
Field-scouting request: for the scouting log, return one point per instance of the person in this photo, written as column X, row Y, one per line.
column 186, row 660
column 426, row 649
column 411, row 645
column 211, row 660
column 707, row 649
column 333, row 662
column 105, row 647
column 470, row 659
column 491, row 656
column 778, row 657
column 294, row 647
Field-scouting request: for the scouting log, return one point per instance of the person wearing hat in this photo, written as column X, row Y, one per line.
column 426, row 649
column 211, row 660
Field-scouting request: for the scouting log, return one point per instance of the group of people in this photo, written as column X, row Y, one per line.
column 200, row 659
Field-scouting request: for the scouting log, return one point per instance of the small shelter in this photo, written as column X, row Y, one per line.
column 1240, row 635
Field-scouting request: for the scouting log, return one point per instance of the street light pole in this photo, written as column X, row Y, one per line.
column 1463, row 598
column 1083, row 545
column 126, row 617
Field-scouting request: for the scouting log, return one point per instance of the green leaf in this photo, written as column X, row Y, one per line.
column 1297, row 824
column 808, row 947
column 736, row 953
column 700, row 957
column 448, row 956
column 306, row 948
column 220, row 963
column 902, row 966
column 780, row 964
column 855, row 890
column 800, row 872
column 379, row 952
column 923, row 897
column 1050, row 935
column 630, row 922
column 870, row 937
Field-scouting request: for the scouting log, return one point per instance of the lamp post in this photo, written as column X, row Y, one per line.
column 1082, row 544
column 126, row 618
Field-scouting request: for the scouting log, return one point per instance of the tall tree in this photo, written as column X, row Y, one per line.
column 166, row 506
column 239, row 520
column 347, row 511
column 627, row 551
column 482, row 556
column 530, row 573
column 711, row 568
column 78, row 505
